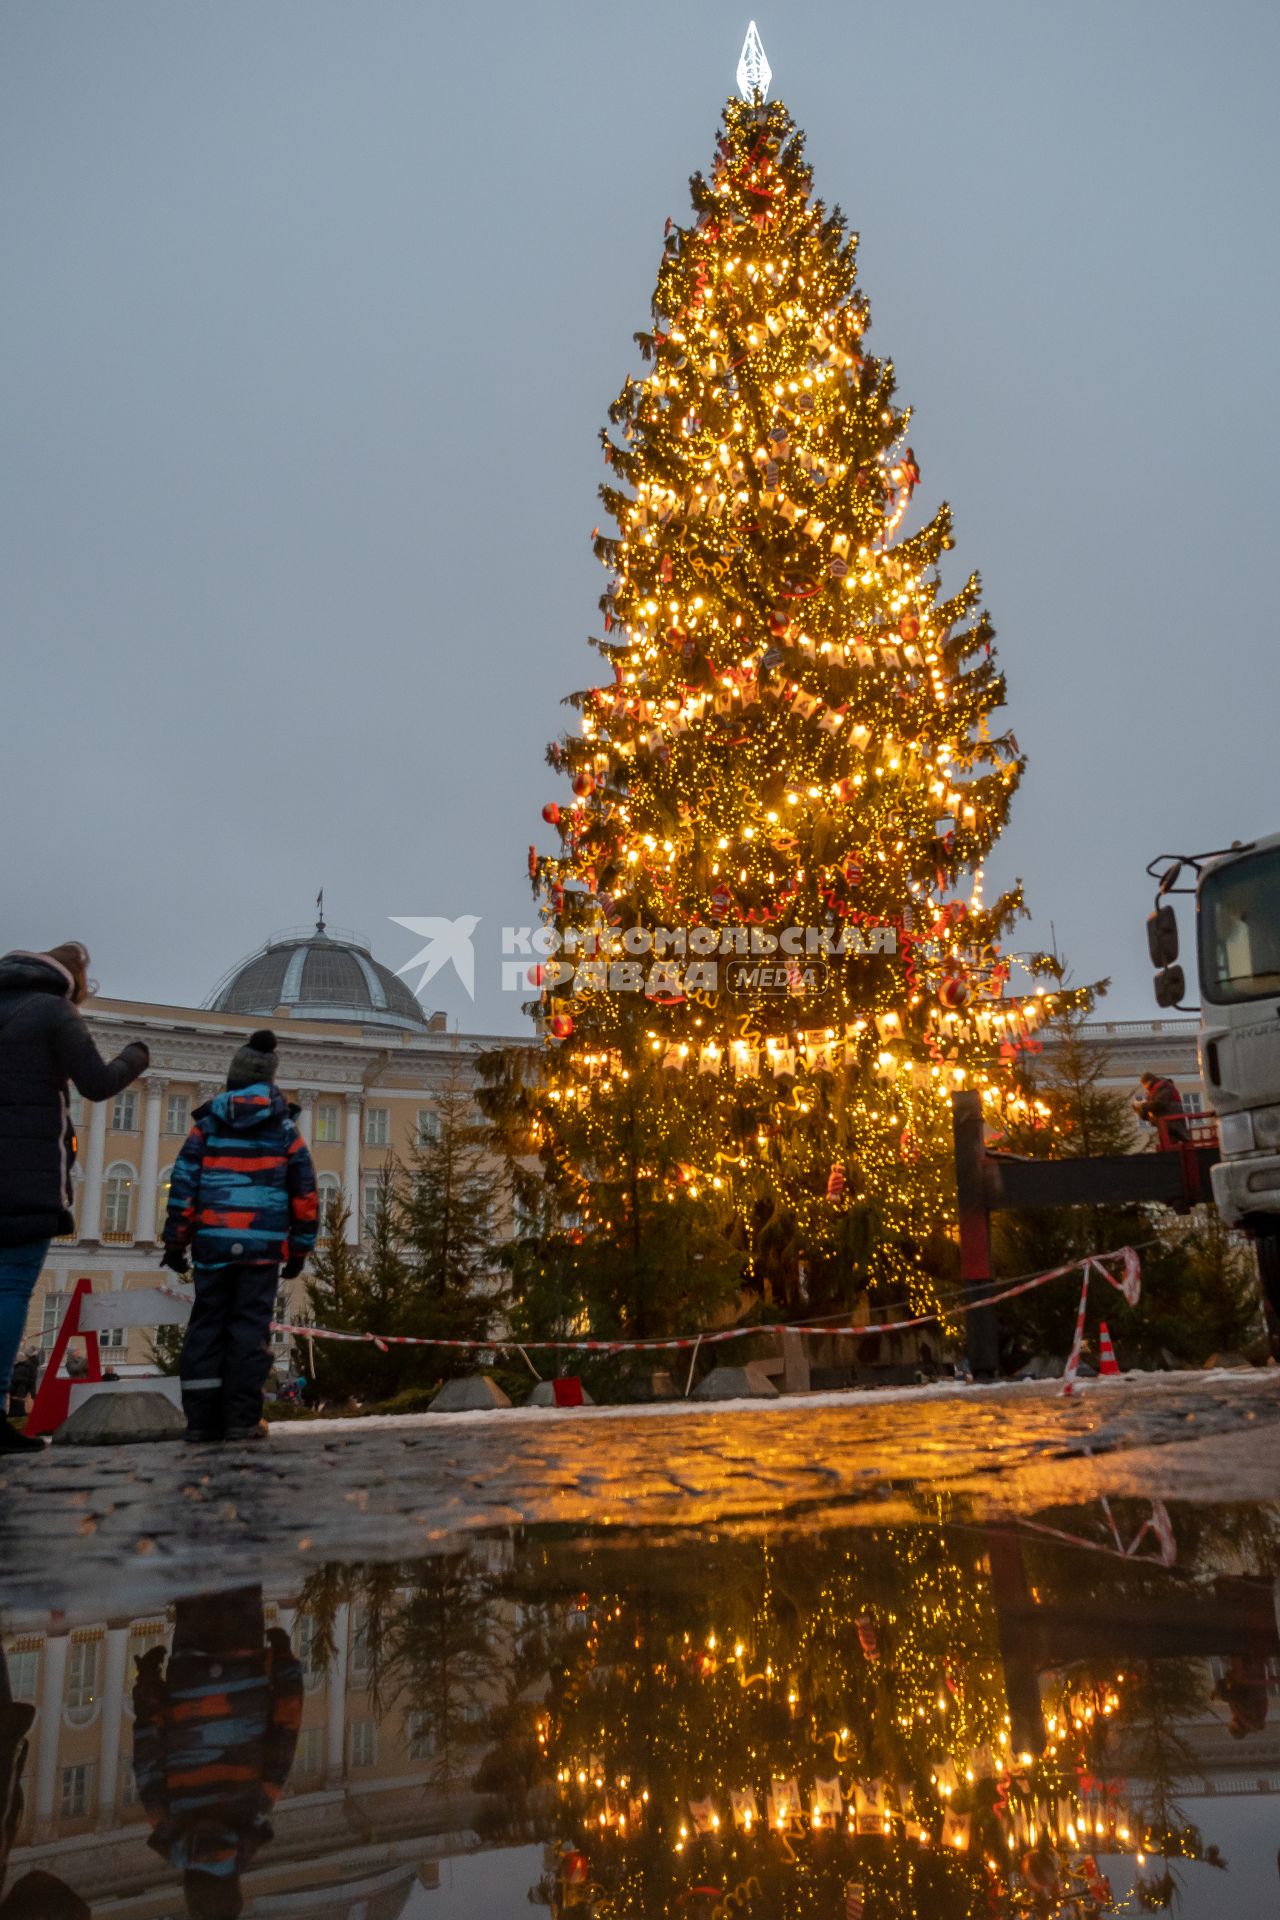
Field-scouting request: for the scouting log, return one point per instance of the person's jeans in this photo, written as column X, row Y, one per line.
column 20, row 1268
column 226, row 1352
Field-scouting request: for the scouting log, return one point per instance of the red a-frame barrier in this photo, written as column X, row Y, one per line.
column 53, row 1399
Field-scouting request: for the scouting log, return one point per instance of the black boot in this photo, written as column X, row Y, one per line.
column 11, row 1441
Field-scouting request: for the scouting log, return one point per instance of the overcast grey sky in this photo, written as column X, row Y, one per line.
column 311, row 314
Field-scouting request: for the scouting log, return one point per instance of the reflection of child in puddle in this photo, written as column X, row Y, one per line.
column 213, row 1741
column 37, row 1896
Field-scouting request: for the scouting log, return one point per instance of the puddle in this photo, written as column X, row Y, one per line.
column 1070, row 1714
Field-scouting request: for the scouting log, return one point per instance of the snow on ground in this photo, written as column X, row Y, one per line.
column 850, row 1397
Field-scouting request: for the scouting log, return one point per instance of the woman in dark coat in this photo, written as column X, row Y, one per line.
column 44, row 1044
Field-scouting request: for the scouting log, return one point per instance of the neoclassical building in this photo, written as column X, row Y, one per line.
column 360, row 1055
column 366, row 1064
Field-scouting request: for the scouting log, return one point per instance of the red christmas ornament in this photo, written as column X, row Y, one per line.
column 852, row 869
column 533, row 863
column 909, row 626
column 779, row 621
column 721, row 903
column 846, row 790
column 836, row 1182
column 868, row 1639
column 584, row 783
column 954, row 992
column 551, row 813
column 561, row 1026
column 537, row 975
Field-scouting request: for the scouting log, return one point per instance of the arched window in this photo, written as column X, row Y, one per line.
column 117, row 1200
column 328, row 1199
column 163, row 1183
column 81, row 1700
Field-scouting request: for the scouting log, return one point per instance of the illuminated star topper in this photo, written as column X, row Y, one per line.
column 754, row 71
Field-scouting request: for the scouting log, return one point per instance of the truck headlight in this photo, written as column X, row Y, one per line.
column 1266, row 1126
column 1235, row 1132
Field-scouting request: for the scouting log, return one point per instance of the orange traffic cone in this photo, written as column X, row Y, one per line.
column 1108, row 1365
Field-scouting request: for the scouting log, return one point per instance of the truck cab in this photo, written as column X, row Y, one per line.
column 1238, row 949
column 1237, row 895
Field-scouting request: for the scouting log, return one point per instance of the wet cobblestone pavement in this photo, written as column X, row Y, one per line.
column 77, row 1518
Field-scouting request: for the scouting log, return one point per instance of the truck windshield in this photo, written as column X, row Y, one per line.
column 1238, row 915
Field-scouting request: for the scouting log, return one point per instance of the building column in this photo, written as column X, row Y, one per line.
column 145, row 1223
column 351, row 1167
column 94, row 1163
column 112, row 1723
column 336, row 1700
column 307, row 1113
column 53, row 1687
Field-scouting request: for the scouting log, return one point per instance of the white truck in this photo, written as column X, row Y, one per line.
column 1237, row 895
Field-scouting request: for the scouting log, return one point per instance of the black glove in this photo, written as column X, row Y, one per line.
column 175, row 1258
column 293, row 1266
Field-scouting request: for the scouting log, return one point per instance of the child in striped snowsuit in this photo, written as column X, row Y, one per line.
column 213, row 1741
column 243, row 1200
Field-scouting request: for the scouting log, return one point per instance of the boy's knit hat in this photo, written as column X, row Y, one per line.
column 255, row 1061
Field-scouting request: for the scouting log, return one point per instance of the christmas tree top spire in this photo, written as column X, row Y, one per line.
column 754, row 71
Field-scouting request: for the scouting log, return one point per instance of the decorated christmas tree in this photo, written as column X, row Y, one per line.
column 769, row 961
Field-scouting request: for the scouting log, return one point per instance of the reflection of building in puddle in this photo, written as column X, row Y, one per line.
column 944, row 1715
column 375, row 1771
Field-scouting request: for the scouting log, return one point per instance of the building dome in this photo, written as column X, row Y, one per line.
column 313, row 974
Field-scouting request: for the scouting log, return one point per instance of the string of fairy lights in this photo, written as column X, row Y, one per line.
column 861, row 1724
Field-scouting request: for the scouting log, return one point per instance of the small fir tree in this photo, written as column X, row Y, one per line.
column 445, row 1221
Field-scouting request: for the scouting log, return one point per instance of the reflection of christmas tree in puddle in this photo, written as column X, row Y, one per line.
column 936, row 1721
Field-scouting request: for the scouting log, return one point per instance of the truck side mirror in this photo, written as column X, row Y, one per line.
column 1162, row 936
column 1171, row 986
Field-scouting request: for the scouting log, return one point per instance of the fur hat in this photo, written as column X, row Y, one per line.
column 255, row 1061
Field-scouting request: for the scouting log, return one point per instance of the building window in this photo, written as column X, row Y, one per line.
column 77, row 1783
column 124, row 1113
column 428, row 1126
column 117, row 1199
column 52, row 1311
column 421, row 1740
column 128, row 1783
column 364, row 1743
column 328, row 1201
column 24, row 1674
column 177, row 1113
column 312, row 1655
column 310, row 1750
column 377, row 1126
column 370, row 1201
column 359, row 1654
column 112, row 1339
column 328, row 1123
column 82, row 1682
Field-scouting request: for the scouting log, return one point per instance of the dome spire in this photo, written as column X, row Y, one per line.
column 320, row 911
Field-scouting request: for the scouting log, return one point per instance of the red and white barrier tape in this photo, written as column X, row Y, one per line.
column 1129, row 1284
